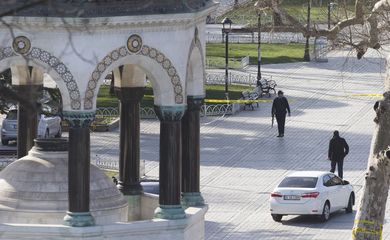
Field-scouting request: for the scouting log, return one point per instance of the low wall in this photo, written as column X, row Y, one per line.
column 190, row 228
column 149, row 203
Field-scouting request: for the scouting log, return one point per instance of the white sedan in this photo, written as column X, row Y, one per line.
column 47, row 127
column 311, row 193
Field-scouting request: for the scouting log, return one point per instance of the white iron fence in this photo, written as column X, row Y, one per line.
column 233, row 77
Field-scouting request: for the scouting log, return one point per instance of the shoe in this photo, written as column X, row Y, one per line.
column 282, row 135
column 279, row 136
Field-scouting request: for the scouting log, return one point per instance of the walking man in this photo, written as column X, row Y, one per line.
column 338, row 149
column 280, row 108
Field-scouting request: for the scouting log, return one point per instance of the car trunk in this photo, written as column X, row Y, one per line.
column 295, row 195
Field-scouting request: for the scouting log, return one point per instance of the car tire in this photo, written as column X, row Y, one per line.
column 4, row 142
column 325, row 212
column 351, row 201
column 277, row 217
column 58, row 135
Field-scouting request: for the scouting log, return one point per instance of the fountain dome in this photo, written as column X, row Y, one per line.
column 34, row 189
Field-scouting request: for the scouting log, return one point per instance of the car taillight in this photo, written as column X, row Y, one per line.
column 310, row 195
column 276, row 194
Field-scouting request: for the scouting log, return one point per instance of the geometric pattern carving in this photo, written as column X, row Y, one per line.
column 63, row 72
column 124, row 51
column 6, row 53
column 53, row 62
column 79, row 119
column 21, row 45
column 134, row 43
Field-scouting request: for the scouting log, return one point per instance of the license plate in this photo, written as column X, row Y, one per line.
column 291, row 197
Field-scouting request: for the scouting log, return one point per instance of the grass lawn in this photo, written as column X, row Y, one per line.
column 212, row 92
column 270, row 53
column 104, row 98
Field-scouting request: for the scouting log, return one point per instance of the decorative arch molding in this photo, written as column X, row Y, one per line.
column 54, row 63
column 134, row 47
column 195, row 44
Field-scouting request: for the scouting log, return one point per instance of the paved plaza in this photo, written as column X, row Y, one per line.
column 242, row 160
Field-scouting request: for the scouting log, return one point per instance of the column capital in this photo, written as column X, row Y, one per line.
column 170, row 113
column 131, row 94
column 79, row 119
column 194, row 103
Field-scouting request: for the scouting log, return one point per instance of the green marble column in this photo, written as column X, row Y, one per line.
column 191, row 196
column 170, row 162
column 27, row 118
column 129, row 157
column 78, row 169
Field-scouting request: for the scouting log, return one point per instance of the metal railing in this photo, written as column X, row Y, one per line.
column 107, row 165
column 216, row 110
column 266, row 37
column 6, row 160
column 233, row 77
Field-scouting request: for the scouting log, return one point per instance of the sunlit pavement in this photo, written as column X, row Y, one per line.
column 242, row 160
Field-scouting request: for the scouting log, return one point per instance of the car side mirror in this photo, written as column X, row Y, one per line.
column 345, row 182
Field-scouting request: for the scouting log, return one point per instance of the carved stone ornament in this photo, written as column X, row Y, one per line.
column 79, row 119
column 21, row 45
column 134, row 43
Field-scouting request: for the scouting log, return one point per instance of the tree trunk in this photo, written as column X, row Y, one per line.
column 277, row 19
column 371, row 212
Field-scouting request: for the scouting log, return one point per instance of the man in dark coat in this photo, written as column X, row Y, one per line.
column 338, row 149
column 280, row 108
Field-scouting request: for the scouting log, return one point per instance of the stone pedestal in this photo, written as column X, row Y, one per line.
column 34, row 190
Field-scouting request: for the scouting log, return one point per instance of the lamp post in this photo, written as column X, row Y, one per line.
column 306, row 56
column 226, row 28
column 258, row 45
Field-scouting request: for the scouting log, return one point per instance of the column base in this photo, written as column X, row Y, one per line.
column 170, row 212
column 79, row 219
column 134, row 207
column 192, row 199
column 135, row 189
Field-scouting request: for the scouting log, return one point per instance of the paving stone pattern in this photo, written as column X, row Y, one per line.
column 242, row 160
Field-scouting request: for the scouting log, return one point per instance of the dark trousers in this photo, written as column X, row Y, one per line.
column 339, row 167
column 281, row 120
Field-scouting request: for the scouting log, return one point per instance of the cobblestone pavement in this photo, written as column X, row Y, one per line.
column 242, row 160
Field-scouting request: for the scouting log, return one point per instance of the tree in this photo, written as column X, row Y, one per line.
column 368, row 27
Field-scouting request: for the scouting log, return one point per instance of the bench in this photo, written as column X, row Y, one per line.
column 264, row 86
column 246, row 95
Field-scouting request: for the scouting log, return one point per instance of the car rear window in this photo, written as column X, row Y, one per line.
column 12, row 115
column 299, row 182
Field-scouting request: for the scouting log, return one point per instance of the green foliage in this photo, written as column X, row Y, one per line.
column 105, row 99
column 270, row 53
column 5, row 86
column 212, row 92
column 216, row 91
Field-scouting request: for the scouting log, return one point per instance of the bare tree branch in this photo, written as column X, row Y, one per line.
column 371, row 40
